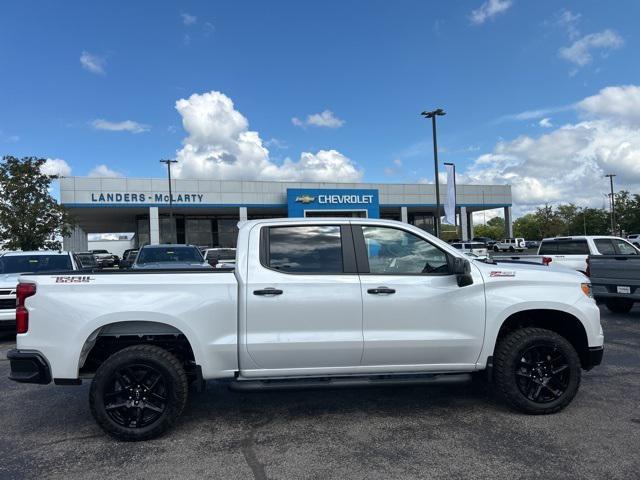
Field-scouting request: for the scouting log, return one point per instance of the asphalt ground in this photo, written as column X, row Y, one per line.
column 453, row 431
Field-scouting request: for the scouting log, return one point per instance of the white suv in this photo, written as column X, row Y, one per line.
column 572, row 252
column 635, row 239
column 510, row 245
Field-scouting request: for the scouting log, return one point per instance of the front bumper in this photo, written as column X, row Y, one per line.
column 594, row 357
column 28, row 367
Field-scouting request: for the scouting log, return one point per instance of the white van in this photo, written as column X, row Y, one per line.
column 572, row 252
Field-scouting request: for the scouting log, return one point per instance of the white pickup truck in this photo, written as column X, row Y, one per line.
column 312, row 302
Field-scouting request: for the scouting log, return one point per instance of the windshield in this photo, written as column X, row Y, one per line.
column 169, row 254
column 34, row 263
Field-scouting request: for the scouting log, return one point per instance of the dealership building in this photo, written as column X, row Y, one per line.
column 206, row 212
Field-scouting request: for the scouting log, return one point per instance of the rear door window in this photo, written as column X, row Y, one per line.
column 305, row 249
column 573, row 247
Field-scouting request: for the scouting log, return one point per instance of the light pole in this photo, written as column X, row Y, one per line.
column 168, row 162
column 613, row 204
column 432, row 115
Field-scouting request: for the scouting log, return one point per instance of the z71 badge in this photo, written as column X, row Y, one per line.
column 502, row 273
column 75, row 279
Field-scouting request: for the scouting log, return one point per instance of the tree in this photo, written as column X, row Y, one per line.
column 527, row 227
column 30, row 219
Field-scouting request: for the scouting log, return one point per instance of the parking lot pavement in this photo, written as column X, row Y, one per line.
column 461, row 431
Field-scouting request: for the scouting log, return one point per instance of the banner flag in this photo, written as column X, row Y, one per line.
column 450, row 205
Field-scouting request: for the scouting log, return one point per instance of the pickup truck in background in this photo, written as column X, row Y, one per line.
column 572, row 252
column 615, row 280
column 13, row 264
column 312, row 302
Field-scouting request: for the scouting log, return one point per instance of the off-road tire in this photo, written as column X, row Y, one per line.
column 173, row 376
column 619, row 305
column 507, row 357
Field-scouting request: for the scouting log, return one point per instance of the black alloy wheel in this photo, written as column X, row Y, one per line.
column 543, row 373
column 138, row 392
column 137, row 396
column 538, row 371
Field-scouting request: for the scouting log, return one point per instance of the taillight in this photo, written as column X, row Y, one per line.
column 24, row 291
column 546, row 260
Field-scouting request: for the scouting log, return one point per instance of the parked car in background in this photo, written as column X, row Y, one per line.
column 531, row 243
column 509, row 245
column 13, row 264
column 484, row 240
column 86, row 260
column 158, row 257
column 615, row 280
column 477, row 248
column 221, row 257
column 573, row 251
column 105, row 259
column 634, row 238
column 128, row 257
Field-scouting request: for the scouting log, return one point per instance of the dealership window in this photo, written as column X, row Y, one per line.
column 198, row 231
column 422, row 221
column 142, row 233
column 226, row 232
column 394, row 251
column 308, row 249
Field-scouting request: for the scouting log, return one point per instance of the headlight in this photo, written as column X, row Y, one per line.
column 586, row 289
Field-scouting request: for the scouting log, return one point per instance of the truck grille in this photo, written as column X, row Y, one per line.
column 7, row 303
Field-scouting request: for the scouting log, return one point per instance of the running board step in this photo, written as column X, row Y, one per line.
column 349, row 382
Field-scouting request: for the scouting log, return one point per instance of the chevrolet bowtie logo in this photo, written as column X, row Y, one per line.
column 305, row 199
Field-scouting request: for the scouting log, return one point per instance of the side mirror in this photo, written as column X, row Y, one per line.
column 462, row 269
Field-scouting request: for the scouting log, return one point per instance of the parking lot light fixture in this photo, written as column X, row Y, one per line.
column 432, row 115
column 613, row 204
column 168, row 162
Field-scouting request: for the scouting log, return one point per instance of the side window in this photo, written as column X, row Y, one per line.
column 548, row 248
column 305, row 249
column 624, row 248
column 604, row 246
column 573, row 247
column 394, row 251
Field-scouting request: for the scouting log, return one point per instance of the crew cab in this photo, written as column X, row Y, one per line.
column 13, row 264
column 312, row 302
column 572, row 252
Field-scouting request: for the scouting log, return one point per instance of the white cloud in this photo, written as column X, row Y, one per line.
column 124, row 126
column 621, row 103
column 323, row 119
column 545, row 123
column 188, row 19
column 489, row 9
column 569, row 21
column 220, row 145
column 568, row 163
column 533, row 114
column 56, row 166
column 93, row 63
column 104, row 171
column 580, row 51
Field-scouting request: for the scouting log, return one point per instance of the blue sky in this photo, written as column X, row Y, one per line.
column 96, row 84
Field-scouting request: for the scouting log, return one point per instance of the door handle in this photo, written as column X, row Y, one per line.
column 268, row 291
column 381, row 291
